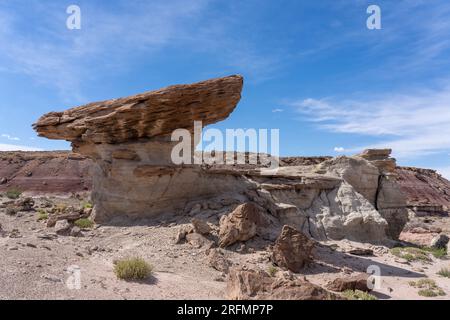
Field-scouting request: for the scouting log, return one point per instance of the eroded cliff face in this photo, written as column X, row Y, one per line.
column 58, row 172
column 426, row 191
column 135, row 177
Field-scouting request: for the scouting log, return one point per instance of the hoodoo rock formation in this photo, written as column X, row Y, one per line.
column 129, row 141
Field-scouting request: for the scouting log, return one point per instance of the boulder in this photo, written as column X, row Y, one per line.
column 76, row 232
column 292, row 250
column 258, row 285
column 356, row 282
column 440, row 241
column 201, row 226
column 63, row 227
column 240, row 225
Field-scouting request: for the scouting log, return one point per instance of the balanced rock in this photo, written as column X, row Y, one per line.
column 292, row 250
column 129, row 140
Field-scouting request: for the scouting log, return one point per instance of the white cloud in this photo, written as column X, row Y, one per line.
column 11, row 147
column 445, row 172
column 277, row 110
column 9, row 137
column 412, row 124
column 113, row 37
column 339, row 149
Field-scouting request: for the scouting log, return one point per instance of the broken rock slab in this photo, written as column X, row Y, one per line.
column 258, row 285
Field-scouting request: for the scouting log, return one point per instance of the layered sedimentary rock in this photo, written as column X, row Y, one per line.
column 426, row 191
column 57, row 172
column 134, row 175
column 129, row 141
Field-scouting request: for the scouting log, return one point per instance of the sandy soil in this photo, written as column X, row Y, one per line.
column 36, row 263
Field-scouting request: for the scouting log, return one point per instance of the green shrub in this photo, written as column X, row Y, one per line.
column 13, row 193
column 87, row 205
column 358, row 295
column 444, row 272
column 437, row 253
column 428, row 288
column 272, row 271
column 42, row 215
column 418, row 254
column 84, row 223
column 132, row 269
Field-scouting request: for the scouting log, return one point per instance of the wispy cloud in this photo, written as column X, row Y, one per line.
column 112, row 37
column 11, row 147
column 9, row 137
column 412, row 124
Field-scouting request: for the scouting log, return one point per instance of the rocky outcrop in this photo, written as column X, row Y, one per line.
column 56, row 172
column 134, row 175
column 258, row 285
column 129, row 140
column 292, row 250
column 426, row 191
column 146, row 115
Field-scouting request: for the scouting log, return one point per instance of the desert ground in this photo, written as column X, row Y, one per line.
column 36, row 260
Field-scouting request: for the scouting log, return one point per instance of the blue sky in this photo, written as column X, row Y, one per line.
column 311, row 68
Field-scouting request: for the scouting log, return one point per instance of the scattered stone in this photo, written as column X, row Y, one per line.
column 240, row 225
column 357, row 282
column 3, row 181
column 218, row 261
column 51, row 278
column 199, row 241
column 31, row 245
column 292, row 250
column 15, row 233
column 360, row 252
column 47, row 236
column 181, row 235
column 24, row 204
column 11, row 211
column 258, row 285
column 440, row 241
column 70, row 214
column 201, row 226
column 13, row 248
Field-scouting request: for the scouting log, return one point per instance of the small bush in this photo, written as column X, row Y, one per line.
column 437, row 253
column 132, row 269
column 272, row 271
column 428, row 288
column 444, row 272
column 84, row 223
column 60, row 208
column 87, row 205
column 42, row 215
column 358, row 295
column 418, row 254
column 13, row 193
